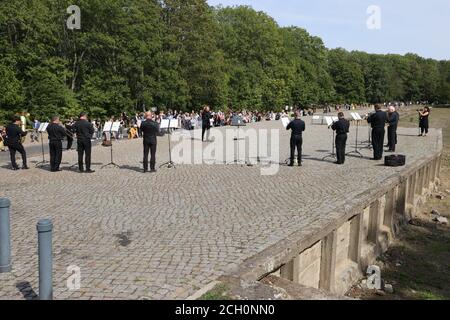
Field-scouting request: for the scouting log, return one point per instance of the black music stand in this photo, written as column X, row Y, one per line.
column 111, row 164
column 169, row 164
column 332, row 154
column 41, row 129
column 356, row 151
column 237, row 122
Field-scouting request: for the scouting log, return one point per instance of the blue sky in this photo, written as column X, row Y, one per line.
column 417, row 26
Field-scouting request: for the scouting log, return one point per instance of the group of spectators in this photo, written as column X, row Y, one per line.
column 130, row 124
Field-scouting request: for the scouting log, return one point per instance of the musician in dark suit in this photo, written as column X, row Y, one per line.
column 378, row 122
column 393, row 119
column 14, row 134
column 56, row 134
column 84, row 131
column 297, row 126
column 206, row 122
column 150, row 132
column 342, row 127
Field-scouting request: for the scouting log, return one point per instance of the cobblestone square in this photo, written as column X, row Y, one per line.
column 167, row 235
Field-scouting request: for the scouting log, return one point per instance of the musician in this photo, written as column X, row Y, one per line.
column 424, row 123
column 393, row 119
column 150, row 131
column 342, row 127
column 69, row 134
column 206, row 122
column 14, row 134
column 378, row 121
column 56, row 134
column 297, row 126
column 84, row 131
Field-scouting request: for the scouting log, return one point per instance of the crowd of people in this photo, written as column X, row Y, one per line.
column 146, row 125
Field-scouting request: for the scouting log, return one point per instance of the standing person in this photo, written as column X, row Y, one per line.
column 35, row 135
column 2, row 139
column 342, row 127
column 206, row 123
column 56, row 134
column 14, row 135
column 150, row 131
column 297, row 126
column 69, row 134
column 378, row 121
column 84, row 131
column 424, row 123
column 393, row 119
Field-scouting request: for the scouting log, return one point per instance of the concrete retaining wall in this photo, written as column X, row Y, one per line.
column 333, row 255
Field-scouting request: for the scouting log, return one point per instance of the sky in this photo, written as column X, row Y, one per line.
column 416, row 26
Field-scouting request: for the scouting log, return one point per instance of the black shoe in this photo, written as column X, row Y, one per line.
column 81, row 171
column 90, row 171
column 25, row 168
column 290, row 165
column 145, row 170
column 153, row 171
column 15, row 168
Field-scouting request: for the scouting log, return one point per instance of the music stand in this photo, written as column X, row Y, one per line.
column 169, row 124
column 332, row 155
column 237, row 122
column 42, row 129
column 357, row 118
column 111, row 127
column 369, row 141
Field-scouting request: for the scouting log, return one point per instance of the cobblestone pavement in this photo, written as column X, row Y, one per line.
column 166, row 235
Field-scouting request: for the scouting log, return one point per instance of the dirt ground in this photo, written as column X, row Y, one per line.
column 418, row 262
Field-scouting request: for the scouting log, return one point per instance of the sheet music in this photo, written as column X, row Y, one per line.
column 329, row 121
column 285, row 121
column 164, row 124
column 358, row 116
column 107, row 126
column 174, row 124
column 43, row 127
column 335, row 119
column 115, row 127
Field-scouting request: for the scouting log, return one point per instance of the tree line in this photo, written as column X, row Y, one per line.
column 131, row 55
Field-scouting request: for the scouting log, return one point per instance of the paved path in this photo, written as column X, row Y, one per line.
column 166, row 235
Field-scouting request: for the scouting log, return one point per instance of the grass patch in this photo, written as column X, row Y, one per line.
column 219, row 292
column 427, row 295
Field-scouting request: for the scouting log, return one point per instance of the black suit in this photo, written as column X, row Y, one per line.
column 56, row 135
column 14, row 143
column 84, row 131
column 206, row 123
column 393, row 119
column 378, row 121
column 69, row 135
column 150, row 131
column 341, row 127
column 297, row 126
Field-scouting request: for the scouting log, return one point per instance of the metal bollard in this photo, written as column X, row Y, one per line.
column 5, row 236
column 45, row 232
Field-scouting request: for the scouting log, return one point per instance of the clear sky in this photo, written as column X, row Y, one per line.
column 417, row 26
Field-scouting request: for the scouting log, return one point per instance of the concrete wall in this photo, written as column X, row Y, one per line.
column 339, row 258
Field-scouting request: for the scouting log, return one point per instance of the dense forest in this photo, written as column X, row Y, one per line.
column 135, row 54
